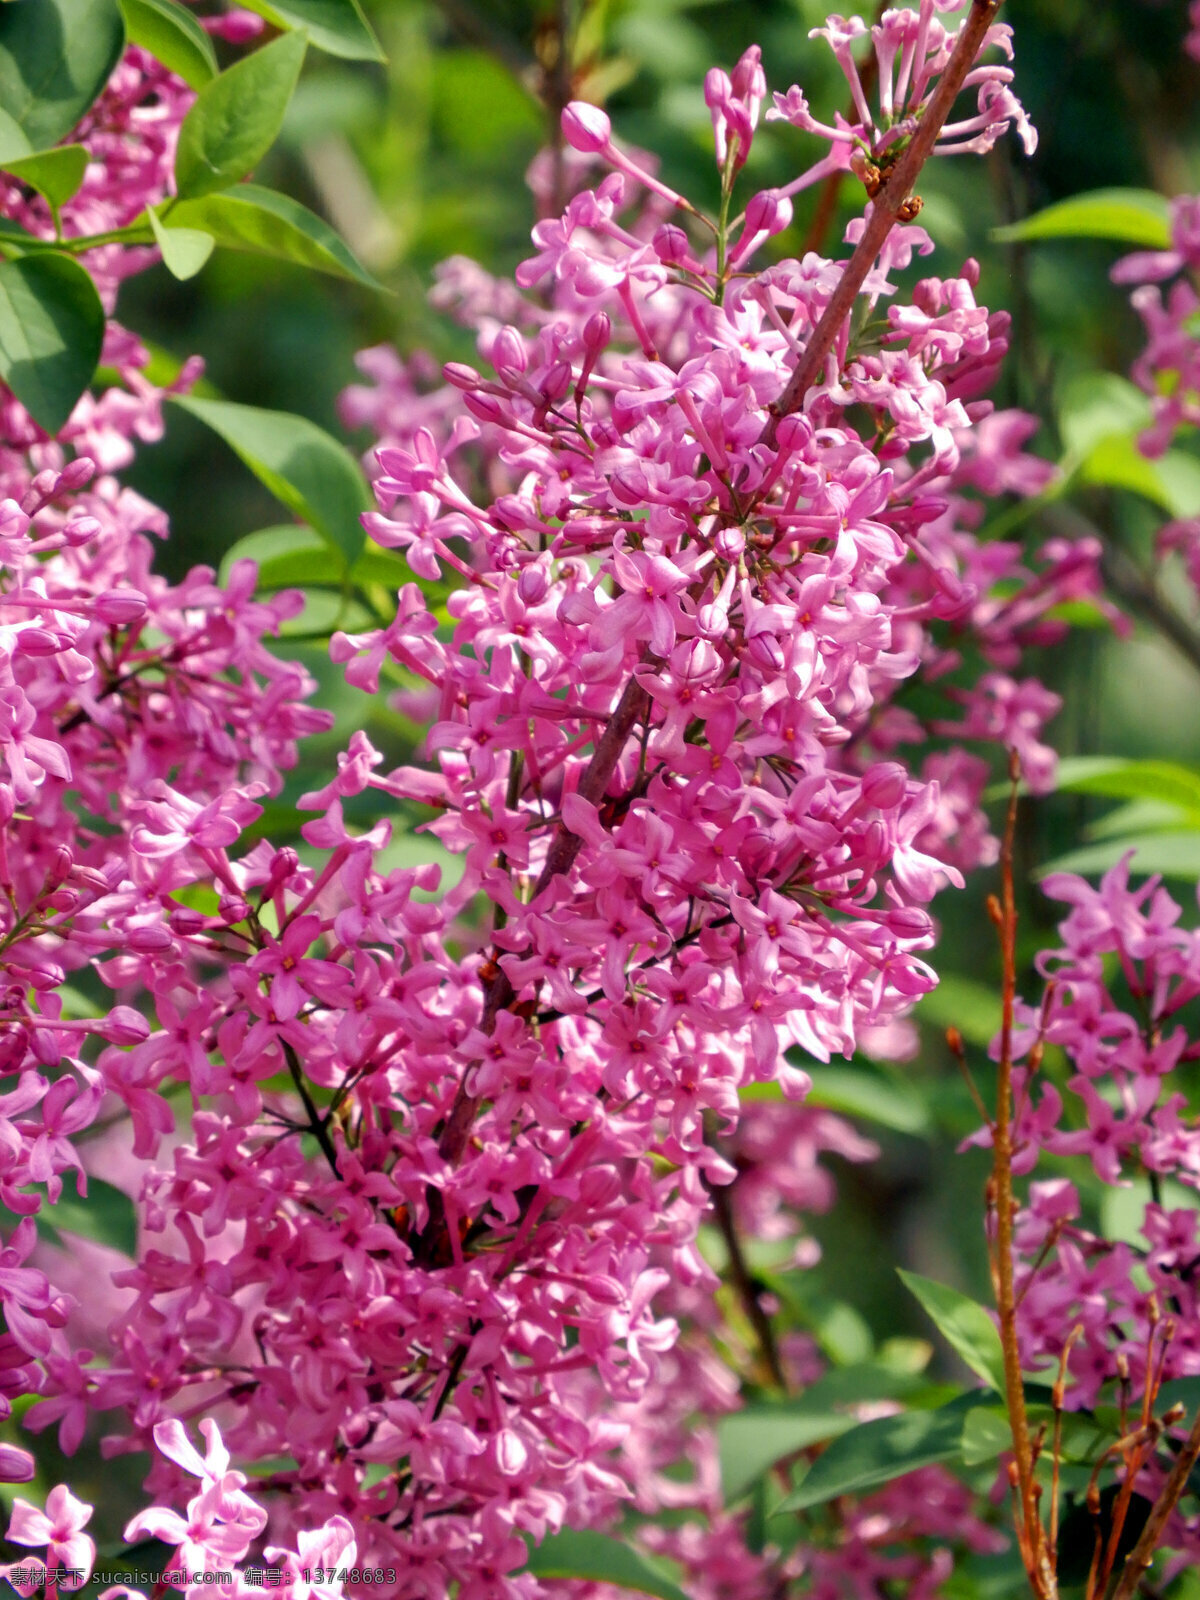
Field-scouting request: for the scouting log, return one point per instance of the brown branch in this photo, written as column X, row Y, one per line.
column 1034, row 1547
column 743, row 1281
column 1142, row 1554
column 885, row 213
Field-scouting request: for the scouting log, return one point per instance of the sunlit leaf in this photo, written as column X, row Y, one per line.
column 173, row 36
column 963, row 1323
column 304, row 467
column 260, row 220
column 336, row 26
column 56, row 174
column 1133, row 216
column 236, row 117
column 184, row 250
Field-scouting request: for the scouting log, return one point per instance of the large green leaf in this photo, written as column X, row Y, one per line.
column 51, row 331
column 1133, row 216
column 336, row 26
column 964, row 1324
column 1173, row 854
column 1164, row 781
column 56, row 174
column 754, row 1439
column 271, row 224
column 173, row 36
column 600, row 1559
column 876, row 1452
column 236, row 117
column 1093, row 406
column 55, row 57
column 303, row 466
column 13, row 142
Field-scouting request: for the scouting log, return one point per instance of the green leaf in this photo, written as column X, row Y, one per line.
column 870, row 1096
column 601, row 1559
column 288, row 556
column 184, row 250
column 1174, row 855
column 236, row 117
column 336, row 26
column 1171, row 482
column 51, row 330
column 271, row 224
column 876, row 1452
column 55, row 57
column 106, row 1215
column 754, row 1439
column 303, row 466
column 173, row 36
column 1095, row 405
column 13, row 143
column 56, row 174
column 1164, row 781
column 1133, row 216
column 986, row 1434
column 963, row 1323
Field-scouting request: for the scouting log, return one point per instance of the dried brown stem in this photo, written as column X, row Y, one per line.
column 1140, row 1557
column 885, row 213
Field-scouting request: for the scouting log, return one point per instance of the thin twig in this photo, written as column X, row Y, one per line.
column 743, row 1281
column 1004, row 914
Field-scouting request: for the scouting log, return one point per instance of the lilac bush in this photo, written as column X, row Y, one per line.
column 711, row 646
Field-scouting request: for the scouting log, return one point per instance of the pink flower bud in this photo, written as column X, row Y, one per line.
column 37, row 642
column 508, row 350
column 768, row 212
column 185, row 921
column 884, row 785
column 597, row 331
column 557, row 381
column 123, row 1025
column 79, row 530
column 119, row 607
column 76, row 474
column 671, row 244
column 729, row 543
column 232, row 908
column 585, row 127
column 533, row 585
column 461, row 376
column 485, row 408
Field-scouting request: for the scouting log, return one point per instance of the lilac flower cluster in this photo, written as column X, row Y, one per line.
column 443, row 1164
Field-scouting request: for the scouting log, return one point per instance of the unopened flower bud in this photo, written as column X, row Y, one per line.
column 671, row 244
column 79, row 530
column 884, row 785
column 557, row 381
column 461, row 376
column 37, row 642
column 119, row 607
column 597, row 331
column 729, row 543
column 585, row 127
column 484, row 407
column 768, row 212
column 184, row 920
column 508, row 350
column 76, row 474
column 533, row 585
column 123, row 1025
